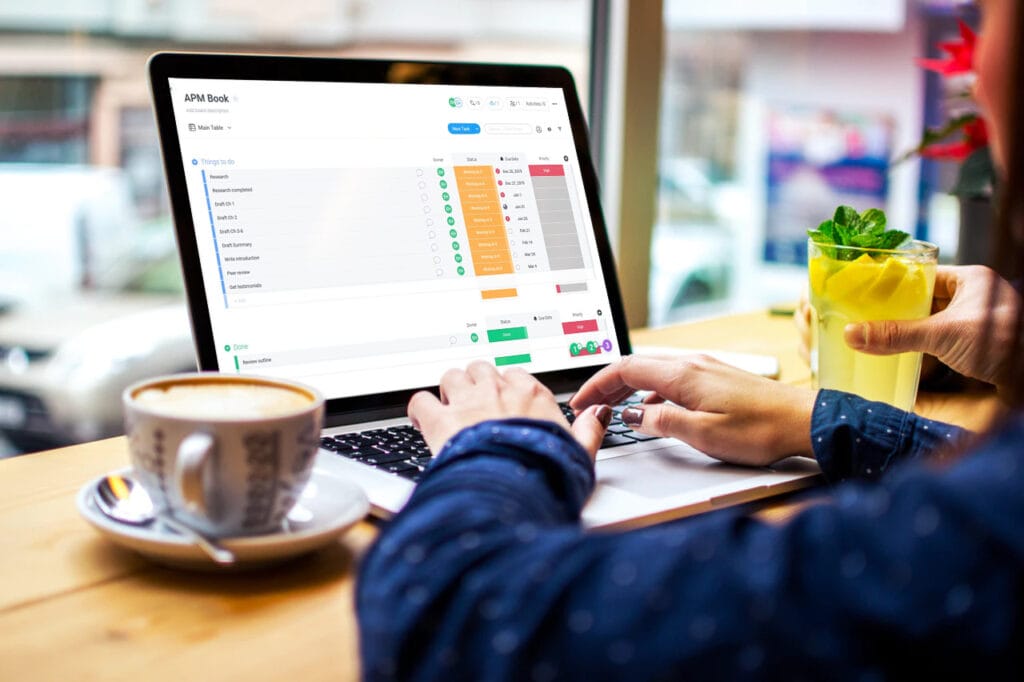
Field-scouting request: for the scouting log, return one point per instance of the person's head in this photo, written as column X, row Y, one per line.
column 995, row 67
column 999, row 63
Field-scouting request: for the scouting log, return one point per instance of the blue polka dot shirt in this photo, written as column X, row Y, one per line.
column 913, row 570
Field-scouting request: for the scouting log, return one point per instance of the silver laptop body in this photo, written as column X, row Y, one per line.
column 361, row 226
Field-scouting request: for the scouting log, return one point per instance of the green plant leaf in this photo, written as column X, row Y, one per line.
column 828, row 229
column 934, row 135
column 845, row 215
column 845, row 234
column 873, row 221
column 975, row 176
column 892, row 239
column 864, row 240
column 850, row 228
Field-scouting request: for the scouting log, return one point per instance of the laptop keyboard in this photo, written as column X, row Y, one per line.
column 401, row 450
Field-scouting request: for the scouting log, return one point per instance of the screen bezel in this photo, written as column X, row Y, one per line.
column 164, row 66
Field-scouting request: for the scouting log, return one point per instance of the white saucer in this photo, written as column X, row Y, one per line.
column 329, row 506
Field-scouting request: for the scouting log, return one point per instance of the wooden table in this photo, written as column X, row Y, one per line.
column 75, row 607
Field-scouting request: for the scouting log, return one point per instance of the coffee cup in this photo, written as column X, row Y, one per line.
column 226, row 454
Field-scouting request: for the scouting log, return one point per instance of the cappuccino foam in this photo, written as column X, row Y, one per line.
column 222, row 400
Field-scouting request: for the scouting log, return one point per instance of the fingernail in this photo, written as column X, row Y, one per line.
column 604, row 415
column 856, row 335
column 633, row 416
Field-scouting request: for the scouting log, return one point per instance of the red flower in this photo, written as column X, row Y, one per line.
column 963, row 138
column 975, row 136
column 961, row 54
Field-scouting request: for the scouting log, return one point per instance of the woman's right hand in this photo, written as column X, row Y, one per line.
column 732, row 415
column 480, row 393
column 972, row 327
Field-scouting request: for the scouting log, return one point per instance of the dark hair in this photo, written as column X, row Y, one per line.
column 1009, row 256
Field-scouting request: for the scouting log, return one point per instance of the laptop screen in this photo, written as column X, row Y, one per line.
column 363, row 237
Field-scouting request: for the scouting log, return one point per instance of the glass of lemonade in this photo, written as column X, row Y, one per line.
column 854, row 284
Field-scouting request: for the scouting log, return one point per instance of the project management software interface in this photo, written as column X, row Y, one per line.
column 367, row 237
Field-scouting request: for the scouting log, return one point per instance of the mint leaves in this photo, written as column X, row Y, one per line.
column 849, row 228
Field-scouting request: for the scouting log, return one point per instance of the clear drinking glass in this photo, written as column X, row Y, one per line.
column 853, row 284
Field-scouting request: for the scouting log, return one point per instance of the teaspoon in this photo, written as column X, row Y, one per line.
column 120, row 498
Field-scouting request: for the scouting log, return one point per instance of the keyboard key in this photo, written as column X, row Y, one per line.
column 360, row 454
column 349, row 441
column 641, row 436
column 382, row 459
column 400, row 468
column 612, row 440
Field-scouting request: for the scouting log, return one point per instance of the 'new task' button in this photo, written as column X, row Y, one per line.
column 464, row 128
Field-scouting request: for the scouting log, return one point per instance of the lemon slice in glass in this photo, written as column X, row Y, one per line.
column 847, row 285
column 892, row 274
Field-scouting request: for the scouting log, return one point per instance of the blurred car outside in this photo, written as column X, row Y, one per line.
column 691, row 271
column 90, row 301
column 65, row 363
column 692, row 251
column 64, row 228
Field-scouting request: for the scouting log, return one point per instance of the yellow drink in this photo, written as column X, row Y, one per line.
column 851, row 284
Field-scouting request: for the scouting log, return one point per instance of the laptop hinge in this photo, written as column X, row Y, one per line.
column 360, row 416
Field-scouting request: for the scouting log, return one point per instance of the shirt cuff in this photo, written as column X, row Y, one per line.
column 533, row 444
column 857, row 438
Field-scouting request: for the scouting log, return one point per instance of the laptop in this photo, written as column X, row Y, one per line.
column 363, row 225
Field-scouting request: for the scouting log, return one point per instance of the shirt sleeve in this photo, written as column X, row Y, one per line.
column 857, row 438
column 487, row 575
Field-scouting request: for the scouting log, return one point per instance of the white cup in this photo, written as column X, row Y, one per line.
column 226, row 454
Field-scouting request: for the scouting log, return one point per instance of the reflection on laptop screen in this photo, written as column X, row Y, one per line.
column 365, row 237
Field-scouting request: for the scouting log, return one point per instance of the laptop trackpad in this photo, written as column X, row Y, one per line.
column 669, row 472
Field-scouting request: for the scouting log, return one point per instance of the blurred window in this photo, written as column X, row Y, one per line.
column 44, row 119
column 87, row 240
column 73, row 91
column 772, row 114
column 74, row 96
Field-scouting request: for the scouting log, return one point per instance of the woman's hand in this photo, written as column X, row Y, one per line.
column 725, row 412
column 969, row 302
column 480, row 393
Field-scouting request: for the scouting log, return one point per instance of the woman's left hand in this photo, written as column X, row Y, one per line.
column 727, row 413
column 480, row 393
